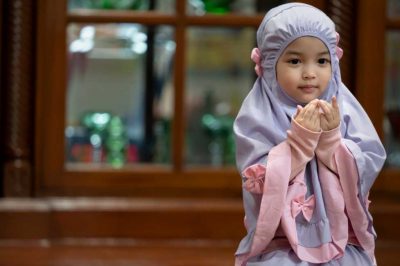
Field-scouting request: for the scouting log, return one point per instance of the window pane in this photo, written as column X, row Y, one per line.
column 219, row 75
column 201, row 7
column 119, row 112
column 393, row 9
column 392, row 98
column 167, row 6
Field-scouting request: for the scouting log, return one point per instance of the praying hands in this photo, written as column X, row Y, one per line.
column 319, row 115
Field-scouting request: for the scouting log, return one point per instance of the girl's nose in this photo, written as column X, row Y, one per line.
column 308, row 73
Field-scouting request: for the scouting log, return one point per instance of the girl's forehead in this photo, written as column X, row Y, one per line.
column 307, row 44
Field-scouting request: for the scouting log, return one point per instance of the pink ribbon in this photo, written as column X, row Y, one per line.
column 304, row 206
column 339, row 51
column 256, row 57
column 255, row 175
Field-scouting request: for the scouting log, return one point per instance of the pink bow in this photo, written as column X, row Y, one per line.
column 305, row 206
column 256, row 57
column 339, row 51
column 255, row 175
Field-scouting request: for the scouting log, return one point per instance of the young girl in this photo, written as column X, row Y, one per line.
column 307, row 151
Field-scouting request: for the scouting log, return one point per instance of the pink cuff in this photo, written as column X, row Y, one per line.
column 302, row 143
column 329, row 142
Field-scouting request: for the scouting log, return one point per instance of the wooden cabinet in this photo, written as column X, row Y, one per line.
column 34, row 115
column 36, row 111
column 174, row 177
column 178, row 176
column 37, row 120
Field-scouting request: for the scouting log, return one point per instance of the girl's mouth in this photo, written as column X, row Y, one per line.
column 308, row 88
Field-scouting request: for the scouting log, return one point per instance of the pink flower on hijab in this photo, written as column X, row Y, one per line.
column 339, row 51
column 256, row 57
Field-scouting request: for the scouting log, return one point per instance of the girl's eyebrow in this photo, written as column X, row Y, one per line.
column 292, row 52
column 324, row 53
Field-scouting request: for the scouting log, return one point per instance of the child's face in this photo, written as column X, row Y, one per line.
column 304, row 69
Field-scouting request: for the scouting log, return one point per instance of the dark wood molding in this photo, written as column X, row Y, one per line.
column 66, row 218
column 393, row 24
column 1, row 98
column 149, row 218
column 344, row 14
column 370, row 59
column 17, row 99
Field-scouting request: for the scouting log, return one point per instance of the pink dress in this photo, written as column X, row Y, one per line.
column 284, row 197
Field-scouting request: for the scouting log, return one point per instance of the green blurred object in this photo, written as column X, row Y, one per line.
column 116, row 142
column 96, row 123
column 162, row 147
column 219, row 129
column 119, row 4
column 217, row 6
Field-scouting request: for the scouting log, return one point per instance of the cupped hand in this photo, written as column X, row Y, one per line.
column 330, row 115
column 309, row 116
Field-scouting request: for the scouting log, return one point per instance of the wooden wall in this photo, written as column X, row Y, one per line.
column 215, row 215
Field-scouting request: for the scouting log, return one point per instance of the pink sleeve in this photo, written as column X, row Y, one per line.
column 302, row 143
column 327, row 146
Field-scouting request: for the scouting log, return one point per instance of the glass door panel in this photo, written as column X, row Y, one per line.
column 119, row 94
column 393, row 9
column 392, row 98
column 219, row 74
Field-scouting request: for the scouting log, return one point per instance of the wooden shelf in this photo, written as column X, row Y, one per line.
column 225, row 20
column 120, row 16
column 393, row 24
column 199, row 183
column 59, row 218
column 157, row 18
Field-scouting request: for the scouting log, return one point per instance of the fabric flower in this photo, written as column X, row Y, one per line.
column 339, row 51
column 256, row 57
column 255, row 176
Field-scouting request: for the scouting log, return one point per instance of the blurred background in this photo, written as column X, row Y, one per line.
column 116, row 125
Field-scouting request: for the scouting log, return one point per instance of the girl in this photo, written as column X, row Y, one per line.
column 307, row 151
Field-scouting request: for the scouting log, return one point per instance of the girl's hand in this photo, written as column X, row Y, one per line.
column 308, row 116
column 330, row 118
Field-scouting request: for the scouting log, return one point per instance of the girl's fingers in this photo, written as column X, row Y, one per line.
column 334, row 103
column 323, row 119
column 315, row 113
column 298, row 110
column 335, row 106
column 313, row 117
column 307, row 116
column 326, row 108
column 310, row 108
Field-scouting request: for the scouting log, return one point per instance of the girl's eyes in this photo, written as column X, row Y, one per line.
column 323, row 61
column 294, row 61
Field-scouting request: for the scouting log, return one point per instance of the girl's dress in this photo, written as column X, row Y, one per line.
column 305, row 193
